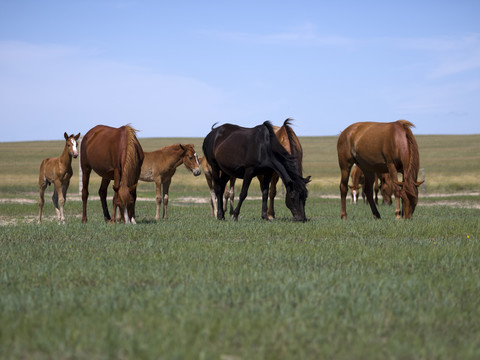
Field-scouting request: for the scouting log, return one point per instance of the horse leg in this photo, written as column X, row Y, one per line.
column 265, row 185
column 376, row 188
column 396, row 189
column 55, row 201
column 166, row 186
column 85, row 180
column 102, row 192
column 41, row 200
column 59, row 201
column 272, row 194
column 345, row 173
column 368, row 188
column 158, row 198
column 243, row 194
column 231, row 194
column 219, row 183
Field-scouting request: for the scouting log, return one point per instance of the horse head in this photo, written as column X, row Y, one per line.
column 355, row 192
column 410, row 188
column 71, row 144
column 296, row 197
column 190, row 159
column 124, row 198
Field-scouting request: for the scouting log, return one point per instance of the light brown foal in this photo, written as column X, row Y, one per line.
column 58, row 170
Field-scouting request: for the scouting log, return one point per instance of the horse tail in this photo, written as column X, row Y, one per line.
column 133, row 156
column 411, row 172
column 295, row 146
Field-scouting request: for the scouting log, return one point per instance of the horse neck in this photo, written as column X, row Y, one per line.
column 173, row 156
column 65, row 157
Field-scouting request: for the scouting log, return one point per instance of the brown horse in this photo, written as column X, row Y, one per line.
column 114, row 154
column 291, row 143
column 244, row 153
column 358, row 181
column 160, row 165
column 229, row 193
column 381, row 148
column 59, row 171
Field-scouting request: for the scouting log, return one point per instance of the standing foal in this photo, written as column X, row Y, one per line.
column 59, row 171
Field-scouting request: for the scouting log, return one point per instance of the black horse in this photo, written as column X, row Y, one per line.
column 244, row 153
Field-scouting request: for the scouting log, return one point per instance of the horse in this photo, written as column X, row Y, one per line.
column 228, row 195
column 160, row 165
column 291, row 143
column 358, row 181
column 244, row 153
column 114, row 154
column 59, row 171
column 381, row 148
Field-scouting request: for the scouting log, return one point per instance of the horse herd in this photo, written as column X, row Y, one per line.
column 378, row 151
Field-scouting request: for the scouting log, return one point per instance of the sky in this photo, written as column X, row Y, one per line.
column 174, row 68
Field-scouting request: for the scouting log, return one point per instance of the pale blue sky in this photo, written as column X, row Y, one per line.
column 173, row 68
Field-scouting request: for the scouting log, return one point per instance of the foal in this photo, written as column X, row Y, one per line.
column 159, row 166
column 59, row 171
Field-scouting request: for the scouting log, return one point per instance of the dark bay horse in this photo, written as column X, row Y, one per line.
column 58, row 170
column 381, row 148
column 159, row 166
column 244, row 153
column 114, row 154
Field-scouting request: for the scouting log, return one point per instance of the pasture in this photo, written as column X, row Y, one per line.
column 192, row 287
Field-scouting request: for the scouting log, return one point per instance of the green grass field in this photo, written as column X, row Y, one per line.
column 192, row 287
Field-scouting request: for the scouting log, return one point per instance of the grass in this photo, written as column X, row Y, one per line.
column 192, row 287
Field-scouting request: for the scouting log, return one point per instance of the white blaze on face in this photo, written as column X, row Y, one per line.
column 354, row 196
column 196, row 159
column 75, row 151
column 125, row 216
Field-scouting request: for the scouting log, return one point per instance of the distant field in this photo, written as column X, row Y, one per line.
column 451, row 163
column 193, row 287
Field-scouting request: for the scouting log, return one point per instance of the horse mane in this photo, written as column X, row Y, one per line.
column 414, row 164
column 131, row 161
column 295, row 146
column 288, row 160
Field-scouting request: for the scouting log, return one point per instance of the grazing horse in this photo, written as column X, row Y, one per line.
column 114, row 154
column 59, row 171
column 358, row 181
column 160, row 165
column 229, row 193
column 291, row 143
column 244, row 153
column 381, row 148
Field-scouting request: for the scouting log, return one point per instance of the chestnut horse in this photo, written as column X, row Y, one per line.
column 291, row 143
column 59, row 171
column 381, row 148
column 228, row 195
column 160, row 165
column 358, row 181
column 114, row 154
column 244, row 153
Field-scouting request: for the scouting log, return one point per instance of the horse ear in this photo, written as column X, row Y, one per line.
column 418, row 183
column 307, row 179
column 115, row 188
column 350, row 186
column 77, row 136
column 133, row 187
column 65, row 135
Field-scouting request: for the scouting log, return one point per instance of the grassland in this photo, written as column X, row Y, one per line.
column 192, row 287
